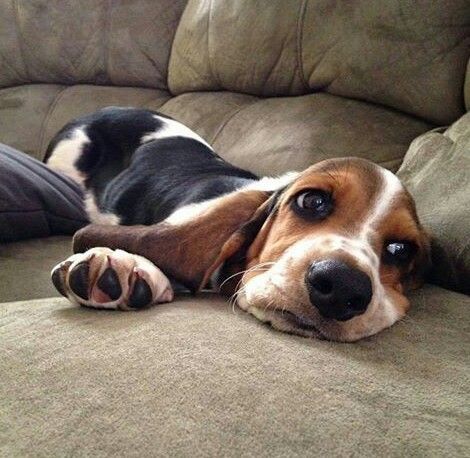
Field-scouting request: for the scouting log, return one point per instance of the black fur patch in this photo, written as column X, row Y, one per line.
column 145, row 183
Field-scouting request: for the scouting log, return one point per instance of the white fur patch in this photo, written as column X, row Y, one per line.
column 190, row 212
column 270, row 184
column 391, row 188
column 97, row 216
column 266, row 184
column 172, row 128
column 67, row 152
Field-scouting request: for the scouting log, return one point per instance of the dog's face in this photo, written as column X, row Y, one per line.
column 334, row 258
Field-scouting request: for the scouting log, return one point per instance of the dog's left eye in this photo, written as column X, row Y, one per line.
column 398, row 252
column 313, row 203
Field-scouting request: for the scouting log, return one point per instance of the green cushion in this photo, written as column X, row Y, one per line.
column 25, row 267
column 436, row 170
column 196, row 378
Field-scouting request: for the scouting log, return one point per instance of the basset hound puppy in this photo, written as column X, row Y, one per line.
column 329, row 252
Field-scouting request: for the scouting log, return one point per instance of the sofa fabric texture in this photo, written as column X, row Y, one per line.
column 200, row 379
column 274, row 85
column 436, row 170
column 406, row 55
column 284, row 133
column 122, row 43
column 25, row 267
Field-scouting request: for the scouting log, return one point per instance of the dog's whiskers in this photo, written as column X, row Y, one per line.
column 255, row 267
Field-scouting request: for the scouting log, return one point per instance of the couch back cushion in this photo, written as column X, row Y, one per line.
column 404, row 54
column 436, row 170
column 121, row 42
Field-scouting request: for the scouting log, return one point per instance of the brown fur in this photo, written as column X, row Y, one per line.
column 186, row 252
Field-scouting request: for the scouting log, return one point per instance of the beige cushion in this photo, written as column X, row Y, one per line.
column 271, row 136
column 32, row 114
column 196, row 378
column 410, row 56
column 56, row 41
column 281, row 134
column 23, row 110
column 25, row 267
column 436, row 171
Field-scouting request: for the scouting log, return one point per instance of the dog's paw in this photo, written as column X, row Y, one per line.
column 111, row 279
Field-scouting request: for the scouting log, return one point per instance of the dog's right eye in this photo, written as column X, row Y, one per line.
column 313, row 204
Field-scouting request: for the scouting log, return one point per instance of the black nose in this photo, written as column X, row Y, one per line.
column 338, row 290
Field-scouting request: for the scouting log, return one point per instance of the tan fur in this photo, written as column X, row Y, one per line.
column 186, row 251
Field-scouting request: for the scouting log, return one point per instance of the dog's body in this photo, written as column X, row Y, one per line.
column 327, row 252
column 138, row 166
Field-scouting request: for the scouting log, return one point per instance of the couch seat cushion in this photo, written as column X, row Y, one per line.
column 273, row 135
column 267, row 136
column 25, row 267
column 196, row 378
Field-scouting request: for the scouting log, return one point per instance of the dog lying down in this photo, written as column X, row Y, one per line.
column 329, row 252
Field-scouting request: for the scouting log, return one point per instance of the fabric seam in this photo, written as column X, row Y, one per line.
column 209, row 56
column 300, row 25
column 20, row 41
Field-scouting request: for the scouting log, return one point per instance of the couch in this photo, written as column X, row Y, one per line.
column 274, row 85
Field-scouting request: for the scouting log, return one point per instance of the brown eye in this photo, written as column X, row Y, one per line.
column 314, row 204
column 398, row 251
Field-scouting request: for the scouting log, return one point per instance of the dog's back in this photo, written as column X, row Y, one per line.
column 138, row 166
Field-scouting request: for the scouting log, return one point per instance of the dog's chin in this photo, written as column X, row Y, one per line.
column 258, row 298
column 292, row 323
column 283, row 320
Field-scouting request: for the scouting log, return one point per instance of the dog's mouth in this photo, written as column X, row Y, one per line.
column 287, row 321
column 298, row 321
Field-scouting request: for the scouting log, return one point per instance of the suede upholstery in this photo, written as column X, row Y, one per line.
column 436, row 170
column 275, row 85
column 92, row 41
column 408, row 56
column 25, row 267
column 32, row 114
column 198, row 379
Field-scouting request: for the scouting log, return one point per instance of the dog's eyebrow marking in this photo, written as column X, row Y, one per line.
column 391, row 187
column 270, row 184
column 172, row 128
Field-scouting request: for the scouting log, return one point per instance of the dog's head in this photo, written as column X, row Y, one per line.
column 330, row 252
column 339, row 248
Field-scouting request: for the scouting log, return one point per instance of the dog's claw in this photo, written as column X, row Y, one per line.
column 109, row 284
column 78, row 280
column 141, row 295
column 58, row 276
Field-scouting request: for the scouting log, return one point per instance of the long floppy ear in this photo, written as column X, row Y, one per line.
column 243, row 246
column 188, row 249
